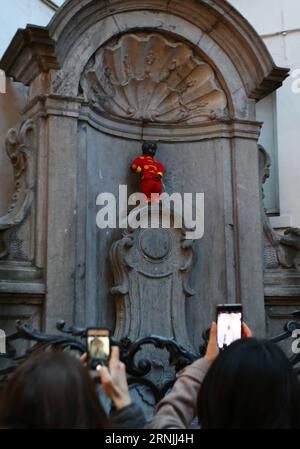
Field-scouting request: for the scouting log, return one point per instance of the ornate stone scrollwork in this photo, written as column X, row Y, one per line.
column 19, row 147
column 152, row 78
column 151, row 268
column 280, row 250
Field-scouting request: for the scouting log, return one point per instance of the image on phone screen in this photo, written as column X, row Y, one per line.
column 229, row 327
column 98, row 343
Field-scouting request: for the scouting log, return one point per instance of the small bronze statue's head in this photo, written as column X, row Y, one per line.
column 149, row 148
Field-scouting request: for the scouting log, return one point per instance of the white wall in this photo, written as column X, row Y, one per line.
column 17, row 14
column 278, row 22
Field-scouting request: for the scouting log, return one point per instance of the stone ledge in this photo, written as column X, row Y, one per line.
column 31, row 52
column 22, row 288
column 21, row 299
column 130, row 129
column 282, row 284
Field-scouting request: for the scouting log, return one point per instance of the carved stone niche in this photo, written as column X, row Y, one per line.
column 150, row 267
column 153, row 78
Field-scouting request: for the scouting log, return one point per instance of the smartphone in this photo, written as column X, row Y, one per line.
column 98, row 347
column 229, row 322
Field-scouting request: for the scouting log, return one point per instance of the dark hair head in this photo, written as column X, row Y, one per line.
column 149, row 148
column 52, row 391
column 251, row 384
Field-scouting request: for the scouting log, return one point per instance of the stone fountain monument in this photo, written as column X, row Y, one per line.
column 101, row 77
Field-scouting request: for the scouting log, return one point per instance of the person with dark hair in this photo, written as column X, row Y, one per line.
column 52, row 391
column 55, row 391
column 250, row 384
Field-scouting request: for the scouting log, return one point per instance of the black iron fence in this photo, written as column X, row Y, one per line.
column 73, row 339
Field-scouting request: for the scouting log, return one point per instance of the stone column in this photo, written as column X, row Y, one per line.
column 56, row 197
column 248, row 232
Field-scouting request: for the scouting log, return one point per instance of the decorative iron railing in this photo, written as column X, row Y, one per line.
column 138, row 369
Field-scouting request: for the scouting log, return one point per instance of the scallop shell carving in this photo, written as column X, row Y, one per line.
column 147, row 77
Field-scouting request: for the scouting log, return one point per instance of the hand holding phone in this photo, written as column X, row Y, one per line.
column 114, row 380
column 229, row 324
column 98, row 347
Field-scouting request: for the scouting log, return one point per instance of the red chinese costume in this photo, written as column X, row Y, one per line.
column 151, row 171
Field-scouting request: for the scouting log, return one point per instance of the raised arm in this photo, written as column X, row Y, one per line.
column 178, row 408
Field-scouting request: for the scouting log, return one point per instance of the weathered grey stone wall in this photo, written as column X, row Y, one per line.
column 190, row 167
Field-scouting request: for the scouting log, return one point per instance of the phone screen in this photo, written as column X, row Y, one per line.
column 229, row 322
column 98, row 347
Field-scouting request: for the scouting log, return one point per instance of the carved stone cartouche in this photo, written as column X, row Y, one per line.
column 150, row 268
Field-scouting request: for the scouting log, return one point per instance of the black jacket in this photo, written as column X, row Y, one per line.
column 130, row 417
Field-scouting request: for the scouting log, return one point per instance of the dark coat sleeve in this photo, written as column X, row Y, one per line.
column 130, row 417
